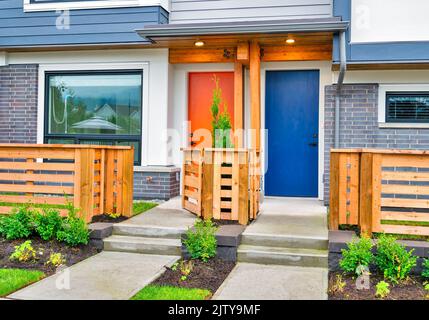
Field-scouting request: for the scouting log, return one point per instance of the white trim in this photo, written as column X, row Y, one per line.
column 144, row 67
column 324, row 68
column 383, row 89
column 102, row 4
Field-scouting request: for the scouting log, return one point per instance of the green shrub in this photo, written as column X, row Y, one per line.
column 18, row 225
column 201, row 240
column 73, row 230
column 24, row 252
column 425, row 271
column 358, row 253
column 382, row 289
column 48, row 223
column 393, row 259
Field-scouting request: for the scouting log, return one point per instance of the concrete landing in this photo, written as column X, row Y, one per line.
column 105, row 276
column 271, row 282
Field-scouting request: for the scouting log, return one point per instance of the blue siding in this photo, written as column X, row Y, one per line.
column 377, row 52
column 90, row 26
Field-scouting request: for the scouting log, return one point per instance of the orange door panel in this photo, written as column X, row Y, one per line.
column 201, row 85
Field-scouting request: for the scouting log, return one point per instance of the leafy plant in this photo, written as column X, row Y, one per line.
column 221, row 121
column 393, row 259
column 201, row 240
column 48, row 223
column 425, row 271
column 338, row 284
column 382, row 289
column 73, row 230
column 186, row 268
column 24, row 252
column 358, row 254
column 56, row 259
column 18, row 225
column 114, row 215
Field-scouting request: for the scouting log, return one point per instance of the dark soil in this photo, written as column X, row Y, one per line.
column 43, row 249
column 106, row 218
column 411, row 289
column 204, row 275
column 219, row 223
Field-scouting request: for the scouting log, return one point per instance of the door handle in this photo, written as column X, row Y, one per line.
column 313, row 144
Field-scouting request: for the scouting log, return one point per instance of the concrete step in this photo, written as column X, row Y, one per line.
column 285, row 241
column 283, row 256
column 158, row 246
column 147, row 231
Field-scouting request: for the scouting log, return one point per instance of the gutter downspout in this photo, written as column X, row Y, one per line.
column 343, row 68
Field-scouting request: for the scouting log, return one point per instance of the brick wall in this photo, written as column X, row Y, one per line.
column 359, row 125
column 156, row 185
column 18, row 104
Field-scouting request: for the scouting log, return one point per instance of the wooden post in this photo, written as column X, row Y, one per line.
column 243, row 182
column 255, row 94
column 334, row 191
column 238, row 105
column 370, row 193
column 109, row 181
column 85, row 182
column 207, row 185
column 243, row 53
column 127, row 182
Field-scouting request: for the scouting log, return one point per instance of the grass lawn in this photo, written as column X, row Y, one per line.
column 152, row 292
column 14, row 279
column 141, row 206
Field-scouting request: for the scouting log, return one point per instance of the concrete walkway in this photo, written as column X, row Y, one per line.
column 250, row 281
column 283, row 254
column 105, row 276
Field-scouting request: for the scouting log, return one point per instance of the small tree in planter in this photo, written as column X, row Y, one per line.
column 221, row 121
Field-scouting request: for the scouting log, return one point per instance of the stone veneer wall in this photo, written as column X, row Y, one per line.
column 359, row 125
column 18, row 103
column 18, row 124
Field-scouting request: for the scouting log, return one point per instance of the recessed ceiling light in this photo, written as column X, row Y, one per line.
column 290, row 41
column 199, row 43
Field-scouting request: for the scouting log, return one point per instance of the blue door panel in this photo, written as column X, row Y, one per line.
column 292, row 121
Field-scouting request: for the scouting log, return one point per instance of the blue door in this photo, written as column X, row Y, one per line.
column 292, row 121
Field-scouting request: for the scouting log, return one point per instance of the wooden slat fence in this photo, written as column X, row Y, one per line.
column 221, row 184
column 389, row 192
column 96, row 179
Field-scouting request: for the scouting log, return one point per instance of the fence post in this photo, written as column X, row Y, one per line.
column 243, row 183
column 127, row 182
column 334, row 201
column 84, row 180
column 207, row 184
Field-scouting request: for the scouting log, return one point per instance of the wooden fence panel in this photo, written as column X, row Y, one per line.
column 192, row 180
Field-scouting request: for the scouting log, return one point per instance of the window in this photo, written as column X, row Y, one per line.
column 408, row 107
column 103, row 107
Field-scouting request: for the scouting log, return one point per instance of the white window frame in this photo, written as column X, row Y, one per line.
column 383, row 89
column 144, row 67
column 101, row 4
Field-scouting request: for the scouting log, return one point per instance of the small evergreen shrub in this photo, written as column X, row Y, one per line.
column 18, row 225
column 24, row 252
column 73, row 230
column 382, row 289
column 48, row 223
column 357, row 254
column 201, row 240
column 393, row 259
column 425, row 271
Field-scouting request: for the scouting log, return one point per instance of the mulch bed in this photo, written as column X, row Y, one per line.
column 412, row 289
column 219, row 223
column 106, row 218
column 43, row 249
column 205, row 275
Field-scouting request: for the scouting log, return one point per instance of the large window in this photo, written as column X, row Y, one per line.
column 102, row 108
column 408, row 107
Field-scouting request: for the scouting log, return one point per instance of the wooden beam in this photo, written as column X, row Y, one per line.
column 255, row 95
column 243, row 53
column 297, row 53
column 238, row 105
column 201, row 55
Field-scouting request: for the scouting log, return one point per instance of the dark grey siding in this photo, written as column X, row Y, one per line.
column 89, row 26
column 359, row 125
column 188, row 11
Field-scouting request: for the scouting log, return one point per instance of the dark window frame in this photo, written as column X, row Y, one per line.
column 96, row 137
column 405, row 94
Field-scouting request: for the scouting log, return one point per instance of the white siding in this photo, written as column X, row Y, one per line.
column 194, row 11
column 389, row 21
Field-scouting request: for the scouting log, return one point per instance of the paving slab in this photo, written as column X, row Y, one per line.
column 249, row 281
column 105, row 276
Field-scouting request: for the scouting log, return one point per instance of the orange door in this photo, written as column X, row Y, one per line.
column 200, row 95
